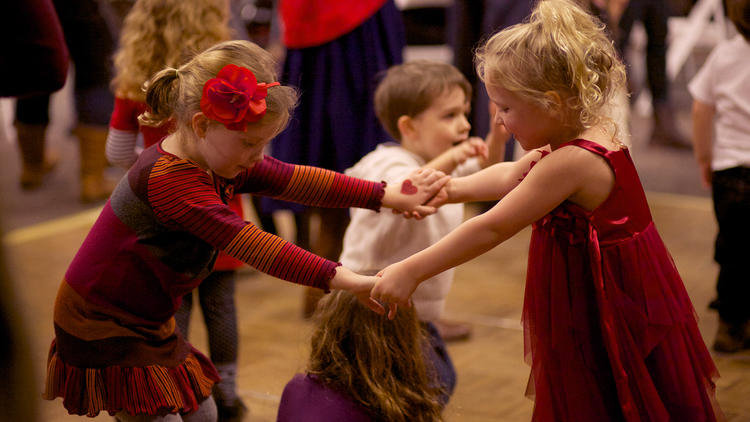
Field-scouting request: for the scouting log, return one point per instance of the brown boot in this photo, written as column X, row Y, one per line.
column 91, row 144
column 31, row 145
column 665, row 132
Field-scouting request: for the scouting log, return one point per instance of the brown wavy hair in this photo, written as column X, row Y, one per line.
column 165, row 33
column 377, row 362
column 560, row 48
column 176, row 93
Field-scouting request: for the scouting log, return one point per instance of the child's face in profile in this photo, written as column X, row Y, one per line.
column 230, row 152
column 531, row 125
column 442, row 125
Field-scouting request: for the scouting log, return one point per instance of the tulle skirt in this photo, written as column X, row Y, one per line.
column 610, row 332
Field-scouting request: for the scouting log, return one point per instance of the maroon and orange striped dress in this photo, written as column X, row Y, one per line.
column 157, row 237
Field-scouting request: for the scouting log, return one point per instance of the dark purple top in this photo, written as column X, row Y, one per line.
column 307, row 400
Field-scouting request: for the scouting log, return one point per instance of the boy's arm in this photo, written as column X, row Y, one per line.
column 458, row 154
column 496, row 140
column 703, row 117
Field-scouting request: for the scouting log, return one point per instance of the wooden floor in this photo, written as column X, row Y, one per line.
column 488, row 293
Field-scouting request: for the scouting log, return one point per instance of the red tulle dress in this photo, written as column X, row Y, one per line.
column 610, row 332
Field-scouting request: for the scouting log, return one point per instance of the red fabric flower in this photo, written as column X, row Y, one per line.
column 234, row 97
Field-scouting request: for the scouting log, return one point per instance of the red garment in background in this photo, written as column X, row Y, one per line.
column 311, row 23
column 34, row 57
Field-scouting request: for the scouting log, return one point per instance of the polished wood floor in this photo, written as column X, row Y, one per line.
column 488, row 293
column 43, row 230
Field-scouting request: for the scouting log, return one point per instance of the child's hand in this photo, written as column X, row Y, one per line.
column 394, row 287
column 360, row 285
column 414, row 191
column 472, row 147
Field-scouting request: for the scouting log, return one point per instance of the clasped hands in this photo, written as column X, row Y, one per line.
column 417, row 196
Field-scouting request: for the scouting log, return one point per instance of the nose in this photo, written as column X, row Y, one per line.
column 498, row 119
column 254, row 158
column 464, row 125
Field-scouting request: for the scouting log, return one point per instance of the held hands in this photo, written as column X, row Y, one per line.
column 409, row 195
column 394, row 287
column 359, row 285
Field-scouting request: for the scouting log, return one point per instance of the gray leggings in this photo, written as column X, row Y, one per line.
column 205, row 413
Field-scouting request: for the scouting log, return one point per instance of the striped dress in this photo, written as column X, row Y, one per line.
column 158, row 236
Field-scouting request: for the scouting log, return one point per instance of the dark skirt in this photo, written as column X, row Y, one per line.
column 335, row 124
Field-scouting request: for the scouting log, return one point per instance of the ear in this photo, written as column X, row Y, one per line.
column 557, row 102
column 405, row 126
column 199, row 123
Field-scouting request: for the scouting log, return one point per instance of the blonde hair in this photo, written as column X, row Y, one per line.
column 161, row 33
column 410, row 88
column 561, row 48
column 379, row 363
column 176, row 93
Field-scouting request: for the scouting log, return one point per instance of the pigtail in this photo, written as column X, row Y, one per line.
column 589, row 57
column 161, row 96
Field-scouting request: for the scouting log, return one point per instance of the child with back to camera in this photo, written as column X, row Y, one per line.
column 423, row 105
column 116, row 348
column 158, row 34
column 363, row 368
column 721, row 105
column 610, row 331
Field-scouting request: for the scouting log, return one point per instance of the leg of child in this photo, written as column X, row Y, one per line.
column 216, row 296
column 437, row 355
column 205, row 413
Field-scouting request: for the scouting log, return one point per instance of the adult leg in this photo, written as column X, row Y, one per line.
column 32, row 118
column 90, row 44
column 665, row 132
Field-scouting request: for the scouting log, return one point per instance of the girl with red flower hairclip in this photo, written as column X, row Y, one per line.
column 116, row 348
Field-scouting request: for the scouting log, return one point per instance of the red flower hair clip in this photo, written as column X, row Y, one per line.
column 234, row 97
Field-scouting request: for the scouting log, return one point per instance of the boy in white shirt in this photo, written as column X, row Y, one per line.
column 423, row 105
column 721, row 143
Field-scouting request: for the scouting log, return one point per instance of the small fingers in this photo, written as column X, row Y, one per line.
column 375, row 306
column 392, row 308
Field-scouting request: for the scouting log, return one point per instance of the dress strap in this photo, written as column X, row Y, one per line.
column 587, row 145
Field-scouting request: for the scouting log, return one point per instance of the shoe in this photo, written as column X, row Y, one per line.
column 731, row 338
column 665, row 132
column 714, row 304
column 35, row 162
column 453, row 330
column 91, row 142
column 235, row 412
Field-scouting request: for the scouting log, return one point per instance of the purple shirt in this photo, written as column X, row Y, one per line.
column 307, row 400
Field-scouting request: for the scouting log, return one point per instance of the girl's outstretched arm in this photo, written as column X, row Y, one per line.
column 489, row 184
column 549, row 183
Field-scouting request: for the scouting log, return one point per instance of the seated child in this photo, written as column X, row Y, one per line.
column 363, row 368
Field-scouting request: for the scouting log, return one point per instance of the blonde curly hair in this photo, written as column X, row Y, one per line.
column 561, row 48
column 162, row 33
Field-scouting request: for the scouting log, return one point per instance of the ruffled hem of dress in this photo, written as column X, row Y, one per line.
column 150, row 390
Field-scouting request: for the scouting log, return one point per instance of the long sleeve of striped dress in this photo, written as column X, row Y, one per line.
column 156, row 238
